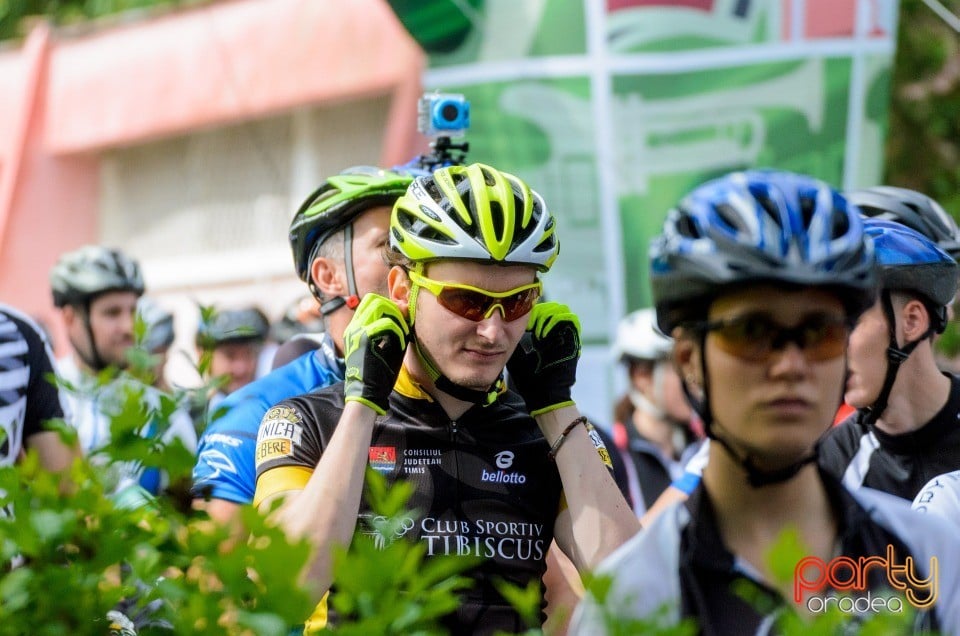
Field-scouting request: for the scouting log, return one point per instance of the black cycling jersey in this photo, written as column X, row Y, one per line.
column 898, row 464
column 484, row 483
column 27, row 398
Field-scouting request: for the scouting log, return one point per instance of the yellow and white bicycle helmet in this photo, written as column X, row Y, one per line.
column 476, row 213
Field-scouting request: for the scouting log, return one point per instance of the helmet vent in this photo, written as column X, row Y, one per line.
column 488, row 178
column 432, row 190
column 547, row 245
column 327, row 193
column 771, row 208
column 728, row 214
column 841, row 225
column 430, row 234
column 687, row 228
column 496, row 217
column 807, row 207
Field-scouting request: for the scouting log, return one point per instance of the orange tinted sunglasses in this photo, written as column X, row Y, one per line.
column 478, row 304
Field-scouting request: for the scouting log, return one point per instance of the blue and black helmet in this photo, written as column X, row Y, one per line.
column 754, row 227
column 909, row 261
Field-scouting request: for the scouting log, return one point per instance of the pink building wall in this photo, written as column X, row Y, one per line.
column 69, row 96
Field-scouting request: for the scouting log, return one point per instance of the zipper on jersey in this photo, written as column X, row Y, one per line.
column 454, row 434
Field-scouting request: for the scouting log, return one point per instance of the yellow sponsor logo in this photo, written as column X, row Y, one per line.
column 273, row 449
column 605, row 457
column 285, row 413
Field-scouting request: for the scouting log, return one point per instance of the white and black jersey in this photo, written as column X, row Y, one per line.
column 27, row 397
column 897, row 464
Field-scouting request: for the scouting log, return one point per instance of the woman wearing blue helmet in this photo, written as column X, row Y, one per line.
column 905, row 431
column 760, row 276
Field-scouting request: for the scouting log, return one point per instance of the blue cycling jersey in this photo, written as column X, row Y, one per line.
column 225, row 466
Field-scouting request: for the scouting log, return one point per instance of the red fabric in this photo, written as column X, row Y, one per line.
column 843, row 413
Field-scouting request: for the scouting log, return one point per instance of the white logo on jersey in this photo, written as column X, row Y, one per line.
column 218, row 462
column 504, row 460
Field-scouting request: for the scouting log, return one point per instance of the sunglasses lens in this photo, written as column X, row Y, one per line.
column 463, row 302
column 519, row 304
column 748, row 338
column 824, row 339
column 755, row 338
column 476, row 306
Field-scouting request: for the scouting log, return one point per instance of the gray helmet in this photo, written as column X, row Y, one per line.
column 908, row 207
column 233, row 325
column 159, row 323
column 91, row 270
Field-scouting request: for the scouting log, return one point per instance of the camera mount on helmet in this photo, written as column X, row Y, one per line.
column 442, row 116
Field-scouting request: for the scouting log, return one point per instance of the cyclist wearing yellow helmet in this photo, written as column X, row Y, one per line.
column 497, row 475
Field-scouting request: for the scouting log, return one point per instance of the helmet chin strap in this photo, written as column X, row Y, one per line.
column 448, row 386
column 94, row 360
column 442, row 382
column 645, row 404
column 757, row 477
column 895, row 357
column 642, row 403
column 352, row 299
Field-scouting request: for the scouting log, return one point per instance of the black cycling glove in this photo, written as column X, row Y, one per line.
column 374, row 343
column 544, row 366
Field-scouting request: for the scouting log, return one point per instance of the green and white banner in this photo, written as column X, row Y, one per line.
column 613, row 110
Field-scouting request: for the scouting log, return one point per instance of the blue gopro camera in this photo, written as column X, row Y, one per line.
column 443, row 114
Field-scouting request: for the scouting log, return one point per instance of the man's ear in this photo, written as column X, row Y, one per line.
column 399, row 285
column 686, row 358
column 915, row 320
column 70, row 315
column 328, row 277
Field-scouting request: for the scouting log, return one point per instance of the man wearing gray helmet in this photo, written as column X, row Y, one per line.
column 97, row 289
column 233, row 338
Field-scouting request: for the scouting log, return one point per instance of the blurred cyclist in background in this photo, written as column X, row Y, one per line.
column 158, row 338
column 28, row 399
column 233, row 338
column 652, row 421
column 905, row 431
column 300, row 321
column 97, row 289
